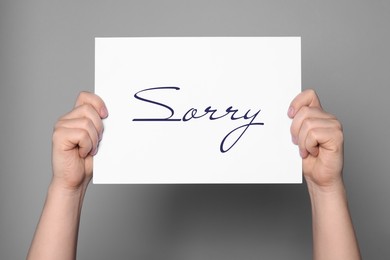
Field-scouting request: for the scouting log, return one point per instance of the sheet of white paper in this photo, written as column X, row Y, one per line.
column 197, row 109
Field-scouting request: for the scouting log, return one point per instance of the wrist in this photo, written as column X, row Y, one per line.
column 325, row 185
column 70, row 200
column 58, row 188
column 327, row 194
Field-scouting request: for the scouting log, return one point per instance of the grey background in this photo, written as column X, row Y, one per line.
column 47, row 57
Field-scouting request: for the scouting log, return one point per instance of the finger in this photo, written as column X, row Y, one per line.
column 86, row 111
column 84, row 124
column 303, row 114
column 67, row 139
column 328, row 138
column 311, row 144
column 87, row 98
column 306, row 130
column 307, row 126
column 305, row 98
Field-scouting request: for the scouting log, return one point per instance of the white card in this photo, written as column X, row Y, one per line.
column 197, row 109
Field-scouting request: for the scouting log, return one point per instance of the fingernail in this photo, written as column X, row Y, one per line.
column 104, row 112
column 290, row 112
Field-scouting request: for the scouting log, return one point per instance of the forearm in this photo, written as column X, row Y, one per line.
column 57, row 231
column 333, row 233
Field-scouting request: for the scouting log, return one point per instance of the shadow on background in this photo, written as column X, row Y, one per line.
column 201, row 222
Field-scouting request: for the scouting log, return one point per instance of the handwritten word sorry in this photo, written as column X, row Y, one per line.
column 193, row 113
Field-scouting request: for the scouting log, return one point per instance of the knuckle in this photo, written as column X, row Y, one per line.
column 311, row 92
column 82, row 98
column 59, row 124
column 311, row 133
column 330, row 116
column 84, row 134
column 86, row 123
column 57, row 134
column 339, row 125
column 335, row 122
column 308, row 123
column 83, row 94
column 339, row 135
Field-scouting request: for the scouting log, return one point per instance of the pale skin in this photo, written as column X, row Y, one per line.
column 319, row 136
column 76, row 137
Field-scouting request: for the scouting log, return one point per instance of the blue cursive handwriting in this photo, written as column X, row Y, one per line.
column 193, row 113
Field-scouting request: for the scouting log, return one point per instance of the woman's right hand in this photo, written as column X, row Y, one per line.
column 76, row 138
